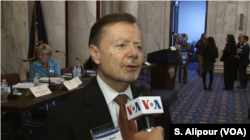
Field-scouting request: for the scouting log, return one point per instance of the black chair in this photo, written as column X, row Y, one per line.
column 15, row 78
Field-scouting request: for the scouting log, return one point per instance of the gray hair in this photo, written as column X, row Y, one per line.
column 44, row 48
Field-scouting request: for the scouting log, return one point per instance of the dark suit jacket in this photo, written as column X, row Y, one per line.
column 248, row 115
column 85, row 109
column 200, row 45
column 239, row 44
column 244, row 56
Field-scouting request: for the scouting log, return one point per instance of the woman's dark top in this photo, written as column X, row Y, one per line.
column 209, row 57
column 229, row 53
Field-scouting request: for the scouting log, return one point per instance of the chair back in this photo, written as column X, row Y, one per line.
column 13, row 79
column 66, row 70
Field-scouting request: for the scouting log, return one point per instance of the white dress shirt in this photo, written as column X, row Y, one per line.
column 110, row 95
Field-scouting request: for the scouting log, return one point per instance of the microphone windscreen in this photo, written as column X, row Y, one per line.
column 140, row 91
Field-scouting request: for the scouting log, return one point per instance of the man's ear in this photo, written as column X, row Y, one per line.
column 95, row 54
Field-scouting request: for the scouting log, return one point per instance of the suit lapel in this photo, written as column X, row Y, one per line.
column 95, row 107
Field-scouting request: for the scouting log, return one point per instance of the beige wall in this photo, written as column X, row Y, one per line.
column 223, row 18
column 154, row 22
column 153, row 18
column 14, row 37
column 54, row 18
column 81, row 16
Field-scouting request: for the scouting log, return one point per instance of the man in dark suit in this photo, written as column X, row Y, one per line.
column 200, row 45
column 238, row 45
column 115, row 46
column 243, row 55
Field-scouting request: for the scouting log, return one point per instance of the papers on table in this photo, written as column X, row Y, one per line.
column 53, row 80
column 15, row 91
column 69, row 74
column 44, row 91
column 91, row 72
column 26, row 85
column 66, row 76
column 88, row 72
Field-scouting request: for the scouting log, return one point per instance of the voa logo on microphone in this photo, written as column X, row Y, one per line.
column 144, row 105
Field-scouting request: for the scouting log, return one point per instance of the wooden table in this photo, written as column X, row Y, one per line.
column 25, row 103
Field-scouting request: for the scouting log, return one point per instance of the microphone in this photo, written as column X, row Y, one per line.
column 80, row 60
column 65, row 56
column 41, row 70
column 144, row 107
column 12, row 96
column 158, row 45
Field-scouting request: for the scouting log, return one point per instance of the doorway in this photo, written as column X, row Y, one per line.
column 188, row 17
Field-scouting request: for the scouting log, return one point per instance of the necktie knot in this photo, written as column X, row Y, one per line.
column 121, row 99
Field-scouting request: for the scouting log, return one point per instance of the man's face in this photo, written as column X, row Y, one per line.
column 227, row 39
column 120, row 53
column 204, row 36
column 242, row 40
column 239, row 38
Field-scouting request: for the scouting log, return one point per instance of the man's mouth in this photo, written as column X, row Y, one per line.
column 131, row 67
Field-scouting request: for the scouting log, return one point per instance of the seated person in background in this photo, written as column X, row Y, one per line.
column 45, row 63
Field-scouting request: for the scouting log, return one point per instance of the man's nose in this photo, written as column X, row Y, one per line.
column 133, row 51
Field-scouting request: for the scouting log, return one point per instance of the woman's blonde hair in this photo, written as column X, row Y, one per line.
column 44, row 48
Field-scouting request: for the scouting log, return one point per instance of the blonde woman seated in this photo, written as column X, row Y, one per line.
column 46, row 64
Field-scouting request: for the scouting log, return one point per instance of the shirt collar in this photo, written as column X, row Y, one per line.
column 245, row 43
column 49, row 63
column 109, row 93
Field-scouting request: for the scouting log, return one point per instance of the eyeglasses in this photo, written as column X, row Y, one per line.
column 42, row 55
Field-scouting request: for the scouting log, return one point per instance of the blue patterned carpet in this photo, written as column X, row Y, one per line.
column 199, row 106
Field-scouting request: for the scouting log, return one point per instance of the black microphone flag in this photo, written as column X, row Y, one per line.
column 38, row 33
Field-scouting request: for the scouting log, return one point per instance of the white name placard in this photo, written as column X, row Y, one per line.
column 39, row 91
column 71, row 84
column 77, row 81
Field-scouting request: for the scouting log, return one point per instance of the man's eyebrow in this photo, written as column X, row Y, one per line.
column 118, row 39
column 138, row 42
column 126, row 40
column 123, row 39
